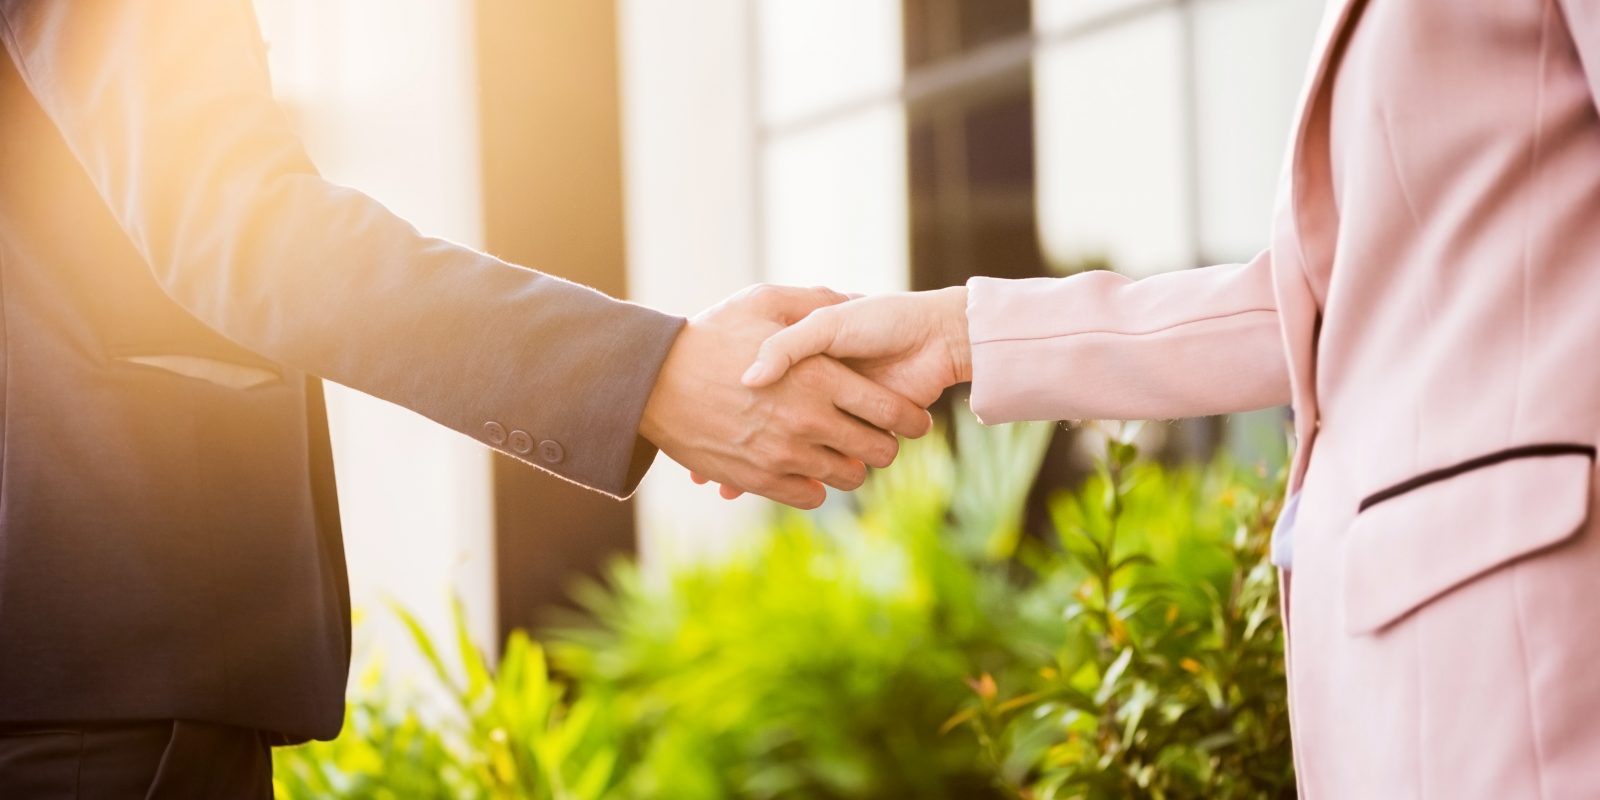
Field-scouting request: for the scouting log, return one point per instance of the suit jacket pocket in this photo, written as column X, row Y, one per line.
column 219, row 372
column 1425, row 536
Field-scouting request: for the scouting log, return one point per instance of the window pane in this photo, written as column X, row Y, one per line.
column 835, row 204
column 1111, row 148
column 1050, row 16
column 972, row 184
column 818, row 54
column 1251, row 56
column 939, row 29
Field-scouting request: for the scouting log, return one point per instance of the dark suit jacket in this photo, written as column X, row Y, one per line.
column 172, row 269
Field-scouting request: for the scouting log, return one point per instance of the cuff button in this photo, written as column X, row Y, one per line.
column 494, row 432
column 551, row 451
column 521, row 442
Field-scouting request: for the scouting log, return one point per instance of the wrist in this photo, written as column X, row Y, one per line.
column 653, row 424
column 952, row 305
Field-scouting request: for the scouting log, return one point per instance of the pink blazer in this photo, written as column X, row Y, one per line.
column 1430, row 305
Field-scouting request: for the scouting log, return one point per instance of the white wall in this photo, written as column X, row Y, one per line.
column 384, row 94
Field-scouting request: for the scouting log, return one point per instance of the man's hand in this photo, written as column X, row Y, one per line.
column 914, row 343
column 818, row 423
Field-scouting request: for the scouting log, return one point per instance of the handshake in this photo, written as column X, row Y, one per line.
column 778, row 391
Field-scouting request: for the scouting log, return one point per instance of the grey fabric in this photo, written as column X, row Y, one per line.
column 169, row 545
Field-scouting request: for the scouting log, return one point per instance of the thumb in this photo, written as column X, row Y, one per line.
column 813, row 335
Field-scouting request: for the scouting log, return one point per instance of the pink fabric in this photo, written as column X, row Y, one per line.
column 1438, row 302
column 1104, row 349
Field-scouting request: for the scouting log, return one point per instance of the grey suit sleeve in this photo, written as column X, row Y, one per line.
column 169, row 109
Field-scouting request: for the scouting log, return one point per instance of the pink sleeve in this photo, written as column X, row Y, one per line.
column 1101, row 346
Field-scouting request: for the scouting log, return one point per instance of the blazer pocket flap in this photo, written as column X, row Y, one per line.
column 211, row 370
column 1445, row 529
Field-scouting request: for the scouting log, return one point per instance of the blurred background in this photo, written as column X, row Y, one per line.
column 675, row 152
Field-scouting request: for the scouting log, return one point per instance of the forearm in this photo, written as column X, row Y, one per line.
column 170, row 113
column 1100, row 346
column 327, row 280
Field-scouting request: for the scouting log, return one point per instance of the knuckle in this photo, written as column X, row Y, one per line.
column 808, row 426
column 760, row 294
column 886, row 408
column 780, row 457
column 769, row 455
column 827, row 295
column 809, row 375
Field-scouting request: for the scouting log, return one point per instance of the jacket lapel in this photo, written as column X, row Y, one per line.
column 1306, row 224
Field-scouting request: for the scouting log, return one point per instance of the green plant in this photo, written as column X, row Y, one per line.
column 917, row 645
column 820, row 661
column 1166, row 678
column 509, row 734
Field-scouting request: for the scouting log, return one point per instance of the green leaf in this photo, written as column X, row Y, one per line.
column 472, row 661
column 592, row 781
column 959, row 718
column 1113, row 674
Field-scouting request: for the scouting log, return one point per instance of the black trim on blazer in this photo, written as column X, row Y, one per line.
column 1525, row 451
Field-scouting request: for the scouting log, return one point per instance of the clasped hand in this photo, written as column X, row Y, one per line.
column 778, row 391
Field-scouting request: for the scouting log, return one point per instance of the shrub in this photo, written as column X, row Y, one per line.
column 509, row 735
column 1164, row 677
column 821, row 661
column 919, row 645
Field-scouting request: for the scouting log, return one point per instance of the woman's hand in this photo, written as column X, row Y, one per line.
column 821, row 424
column 913, row 343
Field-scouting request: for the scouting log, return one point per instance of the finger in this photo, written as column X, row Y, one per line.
column 876, row 405
column 730, row 492
column 842, row 472
column 806, row 453
column 698, row 478
column 790, row 304
column 794, row 490
column 859, row 442
column 782, row 350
